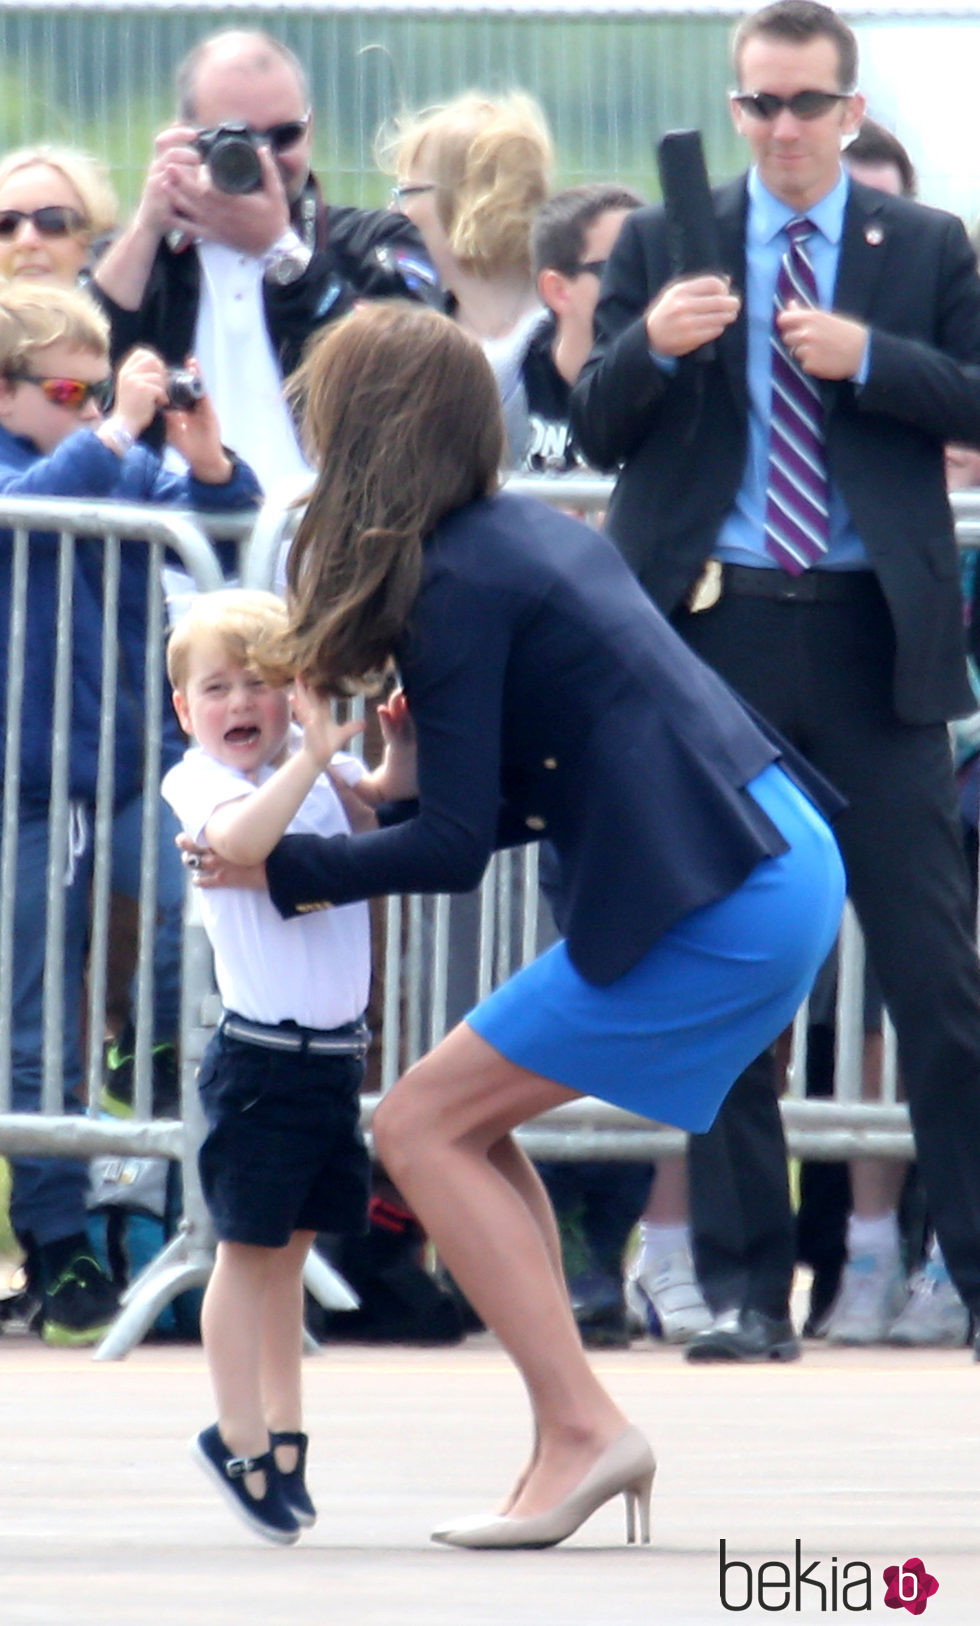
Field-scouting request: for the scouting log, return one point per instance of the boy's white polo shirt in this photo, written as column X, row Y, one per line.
column 315, row 969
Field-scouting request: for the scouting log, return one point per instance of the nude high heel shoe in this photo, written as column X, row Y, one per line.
column 626, row 1468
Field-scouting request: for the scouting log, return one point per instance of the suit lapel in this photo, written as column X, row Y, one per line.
column 863, row 252
column 731, row 203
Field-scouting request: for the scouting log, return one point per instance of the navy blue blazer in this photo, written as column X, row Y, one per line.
column 910, row 274
column 551, row 698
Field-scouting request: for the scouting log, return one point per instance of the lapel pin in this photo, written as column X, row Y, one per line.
column 874, row 235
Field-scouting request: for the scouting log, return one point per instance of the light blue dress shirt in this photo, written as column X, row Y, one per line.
column 742, row 537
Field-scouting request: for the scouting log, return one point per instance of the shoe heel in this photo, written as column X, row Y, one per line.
column 637, row 1499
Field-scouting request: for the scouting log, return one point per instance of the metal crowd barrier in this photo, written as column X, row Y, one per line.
column 427, row 943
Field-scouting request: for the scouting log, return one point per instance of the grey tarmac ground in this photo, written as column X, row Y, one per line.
column 864, row 1456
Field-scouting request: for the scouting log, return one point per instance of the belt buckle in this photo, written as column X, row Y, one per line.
column 706, row 591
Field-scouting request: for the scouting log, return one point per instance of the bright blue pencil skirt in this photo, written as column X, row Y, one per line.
column 668, row 1039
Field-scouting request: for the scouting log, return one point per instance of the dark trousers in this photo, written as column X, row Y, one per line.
column 821, row 673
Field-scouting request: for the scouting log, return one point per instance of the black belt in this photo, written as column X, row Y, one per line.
column 810, row 587
column 350, row 1040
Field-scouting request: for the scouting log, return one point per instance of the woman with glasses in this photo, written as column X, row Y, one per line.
column 57, row 209
column 471, row 176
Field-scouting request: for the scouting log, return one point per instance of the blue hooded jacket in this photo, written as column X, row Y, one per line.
column 82, row 466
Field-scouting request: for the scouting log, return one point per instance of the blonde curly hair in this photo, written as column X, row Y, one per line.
column 490, row 161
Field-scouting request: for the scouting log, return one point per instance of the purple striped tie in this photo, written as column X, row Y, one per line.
column 798, row 491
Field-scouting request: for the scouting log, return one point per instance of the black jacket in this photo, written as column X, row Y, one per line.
column 357, row 254
column 551, row 699
column 909, row 273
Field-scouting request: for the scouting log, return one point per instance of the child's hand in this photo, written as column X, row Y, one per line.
column 141, row 389
column 322, row 736
column 195, row 434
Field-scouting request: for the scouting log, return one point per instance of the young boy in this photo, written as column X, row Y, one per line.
column 571, row 239
column 284, row 1157
column 55, row 442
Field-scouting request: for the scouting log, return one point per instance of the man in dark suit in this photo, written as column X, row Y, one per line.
column 841, row 623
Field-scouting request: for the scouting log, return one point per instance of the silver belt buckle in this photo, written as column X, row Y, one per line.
column 706, row 591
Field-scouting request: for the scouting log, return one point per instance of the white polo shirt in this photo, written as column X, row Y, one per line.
column 314, row 969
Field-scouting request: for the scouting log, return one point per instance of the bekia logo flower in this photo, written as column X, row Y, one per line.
column 909, row 1586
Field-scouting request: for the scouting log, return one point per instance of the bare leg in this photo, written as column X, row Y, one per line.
column 281, row 1357
column 231, row 1331
column 876, row 1183
column 667, row 1202
column 439, row 1133
column 516, row 1167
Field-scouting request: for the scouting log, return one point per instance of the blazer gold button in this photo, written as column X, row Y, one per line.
column 551, row 762
column 535, row 822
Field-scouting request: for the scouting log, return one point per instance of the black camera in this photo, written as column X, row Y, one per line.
column 231, row 152
column 184, row 389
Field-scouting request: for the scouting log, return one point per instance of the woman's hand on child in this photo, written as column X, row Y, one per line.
column 208, row 870
column 398, row 775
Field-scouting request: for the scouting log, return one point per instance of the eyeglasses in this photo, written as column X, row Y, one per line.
column 805, row 104
column 283, row 136
column 72, row 393
column 595, row 266
column 410, row 189
column 55, row 220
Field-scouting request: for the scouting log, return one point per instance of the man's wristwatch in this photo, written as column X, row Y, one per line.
column 286, row 260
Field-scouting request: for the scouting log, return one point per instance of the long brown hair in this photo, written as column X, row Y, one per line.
column 401, row 416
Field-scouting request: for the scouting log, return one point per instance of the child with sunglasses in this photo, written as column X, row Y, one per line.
column 56, row 442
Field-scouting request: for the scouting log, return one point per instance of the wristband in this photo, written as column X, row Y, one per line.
column 113, row 433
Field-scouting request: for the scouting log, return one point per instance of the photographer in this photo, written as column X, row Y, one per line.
column 242, row 278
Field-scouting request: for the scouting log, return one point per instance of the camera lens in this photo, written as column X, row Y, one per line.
column 234, row 164
column 184, row 389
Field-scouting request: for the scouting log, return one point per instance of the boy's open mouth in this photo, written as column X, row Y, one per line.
column 242, row 735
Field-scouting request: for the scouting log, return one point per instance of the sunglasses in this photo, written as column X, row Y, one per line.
column 72, row 393
column 806, row 104
column 283, row 136
column 410, row 189
column 595, row 266
column 56, row 220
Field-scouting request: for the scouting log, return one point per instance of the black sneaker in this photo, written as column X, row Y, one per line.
column 80, row 1306
column 599, row 1307
column 268, row 1515
column 294, row 1482
column 116, row 1097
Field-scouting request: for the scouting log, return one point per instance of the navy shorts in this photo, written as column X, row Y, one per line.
column 284, row 1150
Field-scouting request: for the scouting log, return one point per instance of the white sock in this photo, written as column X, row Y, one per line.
column 657, row 1241
column 877, row 1236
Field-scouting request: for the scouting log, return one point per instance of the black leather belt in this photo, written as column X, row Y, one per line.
column 810, row 587
column 350, row 1040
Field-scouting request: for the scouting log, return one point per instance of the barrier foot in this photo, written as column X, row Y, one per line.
column 327, row 1285
column 182, row 1265
column 142, row 1306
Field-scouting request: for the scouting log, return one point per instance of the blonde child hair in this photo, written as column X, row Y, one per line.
column 34, row 317
column 240, row 620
